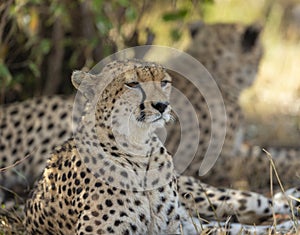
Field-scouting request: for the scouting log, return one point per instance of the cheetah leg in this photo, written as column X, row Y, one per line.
column 219, row 204
column 284, row 201
column 91, row 223
column 194, row 227
column 118, row 222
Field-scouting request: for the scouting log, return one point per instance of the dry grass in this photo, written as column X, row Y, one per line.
column 11, row 222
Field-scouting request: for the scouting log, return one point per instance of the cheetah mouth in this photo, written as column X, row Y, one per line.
column 158, row 119
column 161, row 117
column 154, row 119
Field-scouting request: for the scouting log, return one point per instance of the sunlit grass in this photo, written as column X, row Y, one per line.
column 272, row 104
column 278, row 82
column 235, row 11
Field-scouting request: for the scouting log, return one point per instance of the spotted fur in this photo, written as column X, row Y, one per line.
column 46, row 121
column 128, row 192
column 121, row 195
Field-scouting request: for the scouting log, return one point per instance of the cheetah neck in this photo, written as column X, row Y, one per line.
column 108, row 159
column 124, row 130
column 131, row 141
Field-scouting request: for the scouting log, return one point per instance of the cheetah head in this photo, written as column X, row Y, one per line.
column 127, row 101
column 130, row 97
column 230, row 52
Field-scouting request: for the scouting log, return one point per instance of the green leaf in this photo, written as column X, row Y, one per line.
column 35, row 1
column 175, row 15
column 45, row 46
column 5, row 75
column 34, row 68
column 208, row 1
column 123, row 3
column 130, row 14
column 97, row 4
column 175, row 34
column 103, row 25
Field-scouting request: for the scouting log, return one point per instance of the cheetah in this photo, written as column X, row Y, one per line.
column 132, row 192
column 128, row 186
column 46, row 121
column 16, row 121
column 233, row 61
column 231, row 53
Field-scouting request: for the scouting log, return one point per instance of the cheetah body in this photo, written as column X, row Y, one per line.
column 123, row 195
column 228, row 54
column 84, row 190
column 54, row 112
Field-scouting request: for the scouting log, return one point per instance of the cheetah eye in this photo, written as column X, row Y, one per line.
column 164, row 83
column 132, row 84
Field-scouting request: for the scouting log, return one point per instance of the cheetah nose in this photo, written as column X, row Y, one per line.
column 160, row 106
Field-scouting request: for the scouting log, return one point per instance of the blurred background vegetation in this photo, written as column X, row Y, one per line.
column 43, row 41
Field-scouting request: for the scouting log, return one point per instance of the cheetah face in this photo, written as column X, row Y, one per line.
column 234, row 52
column 143, row 104
column 136, row 96
column 150, row 104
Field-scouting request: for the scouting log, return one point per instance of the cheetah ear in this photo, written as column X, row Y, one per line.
column 84, row 82
column 195, row 27
column 250, row 37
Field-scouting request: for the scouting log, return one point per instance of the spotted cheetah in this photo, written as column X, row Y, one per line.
column 115, row 176
column 38, row 118
column 131, row 191
column 233, row 61
column 231, row 53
